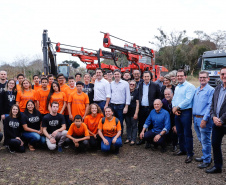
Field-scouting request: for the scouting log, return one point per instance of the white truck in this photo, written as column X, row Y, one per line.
column 212, row 62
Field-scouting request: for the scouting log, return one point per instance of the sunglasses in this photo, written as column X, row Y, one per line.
column 132, row 84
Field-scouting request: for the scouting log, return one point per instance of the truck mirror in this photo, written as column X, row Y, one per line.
column 199, row 62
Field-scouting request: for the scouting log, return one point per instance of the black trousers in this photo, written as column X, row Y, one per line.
column 14, row 145
column 142, row 116
column 95, row 143
column 1, row 136
column 217, row 135
column 83, row 145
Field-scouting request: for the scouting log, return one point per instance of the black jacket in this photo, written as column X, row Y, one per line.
column 222, row 113
column 153, row 93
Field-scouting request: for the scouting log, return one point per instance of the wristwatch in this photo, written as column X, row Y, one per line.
column 160, row 134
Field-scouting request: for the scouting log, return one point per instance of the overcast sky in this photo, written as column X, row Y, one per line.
column 79, row 22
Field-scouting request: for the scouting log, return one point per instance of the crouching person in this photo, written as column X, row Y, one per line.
column 160, row 119
column 54, row 128
column 109, row 129
column 79, row 134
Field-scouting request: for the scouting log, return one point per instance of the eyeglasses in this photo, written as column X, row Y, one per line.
column 132, row 84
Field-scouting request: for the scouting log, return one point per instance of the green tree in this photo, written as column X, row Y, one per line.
column 71, row 63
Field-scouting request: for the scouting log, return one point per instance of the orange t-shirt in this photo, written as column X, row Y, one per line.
column 41, row 96
column 64, row 88
column 18, row 87
column 37, row 87
column 22, row 98
column 78, row 103
column 60, row 98
column 79, row 132
column 92, row 122
column 109, row 128
column 68, row 92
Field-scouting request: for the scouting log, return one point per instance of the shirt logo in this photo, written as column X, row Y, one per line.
column 34, row 119
column 14, row 124
column 11, row 98
column 53, row 123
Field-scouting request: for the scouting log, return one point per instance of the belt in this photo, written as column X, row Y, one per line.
column 117, row 104
column 145, row 107
column 198, row 116
column 99, row 101
column 185, row 109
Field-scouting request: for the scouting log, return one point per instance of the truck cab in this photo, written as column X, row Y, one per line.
column 212, row 62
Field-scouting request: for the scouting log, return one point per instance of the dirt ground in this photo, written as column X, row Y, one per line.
column 133, row 165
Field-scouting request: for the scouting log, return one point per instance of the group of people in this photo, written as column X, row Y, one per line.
column 90, row 114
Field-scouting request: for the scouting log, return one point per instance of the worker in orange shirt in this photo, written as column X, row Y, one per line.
column 36, row 81
column 79, row 134
column 61, row 80
column 92, row 120
column 41, row 97
column 25, row 94
column 50, row 79
column 20, row 78
column 109, row 129
column 68, row 92
column 55, row 95
column 78, row 102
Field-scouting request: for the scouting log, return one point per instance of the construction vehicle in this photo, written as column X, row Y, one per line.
column 212, row 62
column 141, row 58
column 49, row 58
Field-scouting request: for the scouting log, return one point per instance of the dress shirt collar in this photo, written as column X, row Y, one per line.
column 119, row 81
column 222, row 86
column 147, row 84
column 100, row 80
column 184, row 83
column 204, row 88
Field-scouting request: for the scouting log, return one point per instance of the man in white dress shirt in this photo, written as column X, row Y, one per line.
column 120, row 96
column 102, row 90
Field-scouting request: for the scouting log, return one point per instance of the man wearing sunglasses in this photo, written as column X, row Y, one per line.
column 218, row 114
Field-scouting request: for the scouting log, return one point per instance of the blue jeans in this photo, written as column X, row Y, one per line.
column 149, row 136
column 204, row 136
column 131, row 128
column 34, row 138
column 118, row 113
column 117, row 144
column 183, row 124
column 101, row 104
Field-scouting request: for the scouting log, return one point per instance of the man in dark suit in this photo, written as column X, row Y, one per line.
column 218, row 114
column 148, row 92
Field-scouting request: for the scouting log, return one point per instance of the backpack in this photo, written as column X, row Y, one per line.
column 116, row 120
